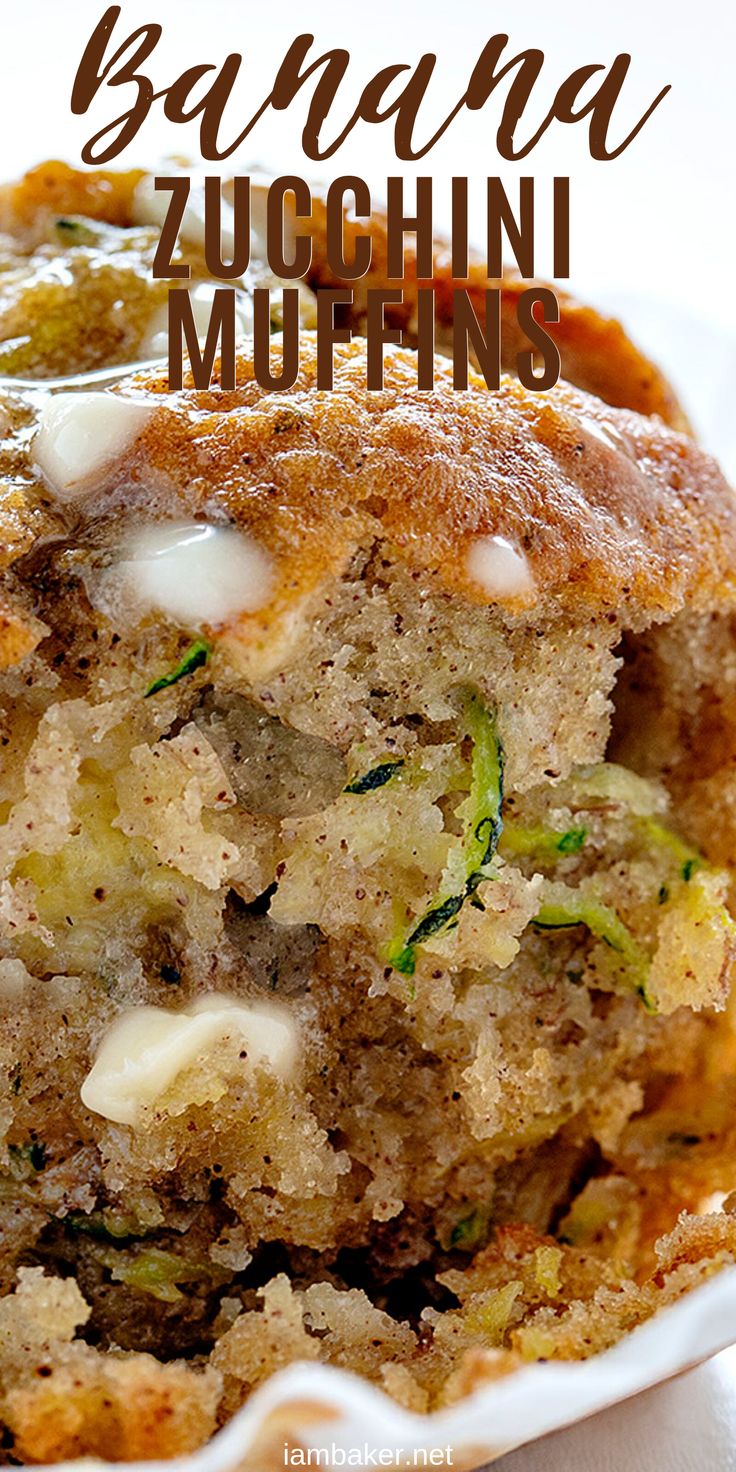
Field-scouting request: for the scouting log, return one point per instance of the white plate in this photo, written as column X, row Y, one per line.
column 320, row 1407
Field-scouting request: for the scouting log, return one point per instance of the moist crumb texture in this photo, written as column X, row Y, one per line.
column 365, row 956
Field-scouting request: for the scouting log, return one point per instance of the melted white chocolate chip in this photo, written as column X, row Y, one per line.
column 197, row 574
column 499, row 568
column 79, row 434
column 151, row 206
column 156, row 341
column 259, row 187
column 148, row 1047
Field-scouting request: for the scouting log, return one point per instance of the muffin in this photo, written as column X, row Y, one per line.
column 368, row 839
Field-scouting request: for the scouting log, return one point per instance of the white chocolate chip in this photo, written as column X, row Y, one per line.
column 499, row 568
column 197, row 574
column 148, row 1047
column 259, row 187
column 79, row 434
column 151, row 206
column 156, row 342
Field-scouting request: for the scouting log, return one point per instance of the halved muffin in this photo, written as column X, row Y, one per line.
column 367, row 806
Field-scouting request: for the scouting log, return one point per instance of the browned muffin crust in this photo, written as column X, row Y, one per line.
column 610, row 508
column 597, row 355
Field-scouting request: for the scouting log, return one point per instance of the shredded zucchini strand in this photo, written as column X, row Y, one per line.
column 196, row 655
column 546, row 842
column 605, row 925
column 481, row 838
column 377, row 777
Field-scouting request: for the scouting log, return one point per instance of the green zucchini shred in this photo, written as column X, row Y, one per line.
column 518, row 840
column 377, row 777
column 487, row 830
column 93, row 1224
column 28, row 1157
column 688, row 859
column 159, row 1273
column 468, row 1233
column 196, row 655
column 572, row 841
column 442, row 916
column 403, row 959
column 662, row 837
column 605, row 925
column 481, row 839
column 75, row 231
column 486, row 788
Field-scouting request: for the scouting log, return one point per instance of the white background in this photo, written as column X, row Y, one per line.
column 652, row 236
column 660, row 218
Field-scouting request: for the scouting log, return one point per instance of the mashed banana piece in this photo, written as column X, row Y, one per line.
column 470, row 839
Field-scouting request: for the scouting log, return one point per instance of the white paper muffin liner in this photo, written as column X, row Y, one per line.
column 325, row 1410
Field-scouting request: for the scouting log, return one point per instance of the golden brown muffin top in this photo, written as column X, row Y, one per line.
column 608, row 511
column 596, row 353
